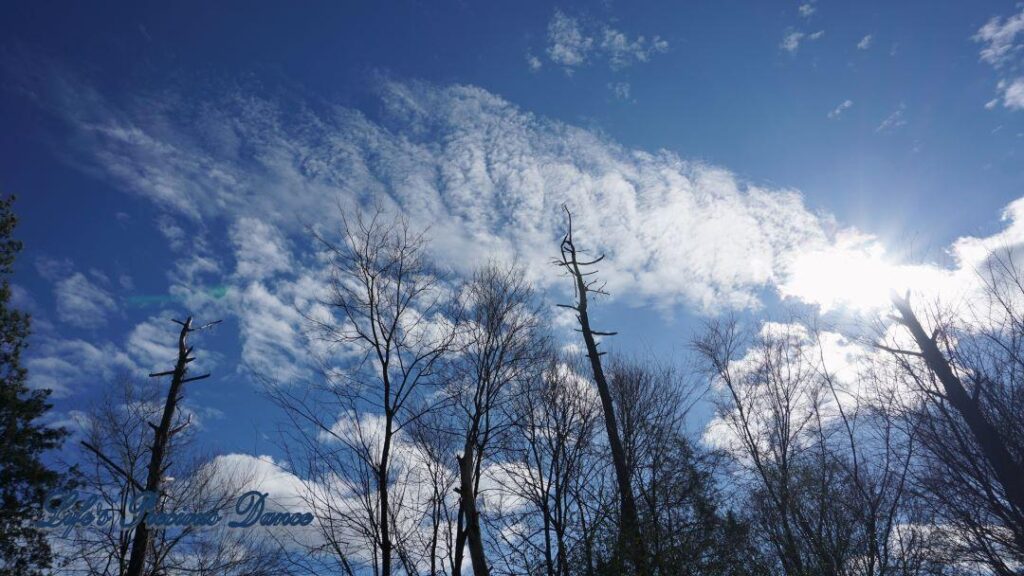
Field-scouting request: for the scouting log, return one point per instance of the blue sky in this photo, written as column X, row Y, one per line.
column 166, row 157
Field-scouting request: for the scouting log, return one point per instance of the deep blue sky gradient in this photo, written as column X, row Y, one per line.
column 724, row 92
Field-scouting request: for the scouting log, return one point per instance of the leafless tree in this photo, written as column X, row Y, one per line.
column 632, row 543
column 432, row 435
column 386, row 329
column 968, row 408
column 117, row 428
column 545, row 462
column 504, row 346
column 674, row 478
column 830, row 467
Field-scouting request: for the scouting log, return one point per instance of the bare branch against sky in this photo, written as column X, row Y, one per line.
column 782, row 333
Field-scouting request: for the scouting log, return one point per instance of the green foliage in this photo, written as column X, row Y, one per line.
column 24, row 478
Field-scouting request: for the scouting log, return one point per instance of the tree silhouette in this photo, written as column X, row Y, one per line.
column 24, row 477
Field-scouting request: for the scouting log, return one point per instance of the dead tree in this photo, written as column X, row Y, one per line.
column 629, row 524
column 116, row 426
column 162, row 434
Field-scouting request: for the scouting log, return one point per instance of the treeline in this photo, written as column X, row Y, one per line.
column 452, row 429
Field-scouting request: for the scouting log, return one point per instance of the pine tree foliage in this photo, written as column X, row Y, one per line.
column 24, row 477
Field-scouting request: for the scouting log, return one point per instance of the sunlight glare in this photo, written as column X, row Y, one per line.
column 853, row 274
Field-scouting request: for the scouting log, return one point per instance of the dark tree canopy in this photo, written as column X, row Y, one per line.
column 24, row 477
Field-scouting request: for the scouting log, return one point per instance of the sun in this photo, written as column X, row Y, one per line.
column 853, row 273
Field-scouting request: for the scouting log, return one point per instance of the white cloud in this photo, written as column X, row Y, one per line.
column 153, row 344
column 623, row 52
column 1003, row 51
column 567, row 44
column 1012, row 93
column 620, row 90
column 572, row 43
column 271, row 328
column 68, row 364
column 1000, row 39
column 260, row 250
column 172, row 232
column 76, row 422
column 838, row 111
column 487, row 177
column 21, row 299
column 533, row 62
column 864, row 43
column 791, row 42
column 53, row 269
column 243, row 472
column 854, row 272
column 64, row 365
column 893, row 121
column 81, row 303
column 807, row 9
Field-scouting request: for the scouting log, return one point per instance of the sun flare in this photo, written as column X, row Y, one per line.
column 854, row 273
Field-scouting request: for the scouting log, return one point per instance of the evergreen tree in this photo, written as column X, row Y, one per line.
column 24, row 478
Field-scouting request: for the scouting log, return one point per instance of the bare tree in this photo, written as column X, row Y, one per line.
column 385, row 326
column 432, row 435
column 632, row 541
column 968, row 409
column 140, row 553
column 504, row 346
column 162, row 434
column 117, row 431
column 830, row 466
column 546, row 459
column 674, row 478
column 765, row 408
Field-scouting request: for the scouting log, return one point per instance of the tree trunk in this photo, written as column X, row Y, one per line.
column 382, row 489
column 161, row 436
column 467, row 501
column 1009, row 473
column 631, row 542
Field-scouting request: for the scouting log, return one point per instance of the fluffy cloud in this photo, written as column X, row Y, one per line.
column 487, row 177
column 573, row 42
column 623, row 52
column 81, row 301
column 1011, row 92
column 241, row 473
column 533, row 62
column 260, row 249
column 63, row 365
column 620, row 90
column 791, row 41
column 1002, row 50
column 1000, row 39
column 66, row 365
column 567, row 44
